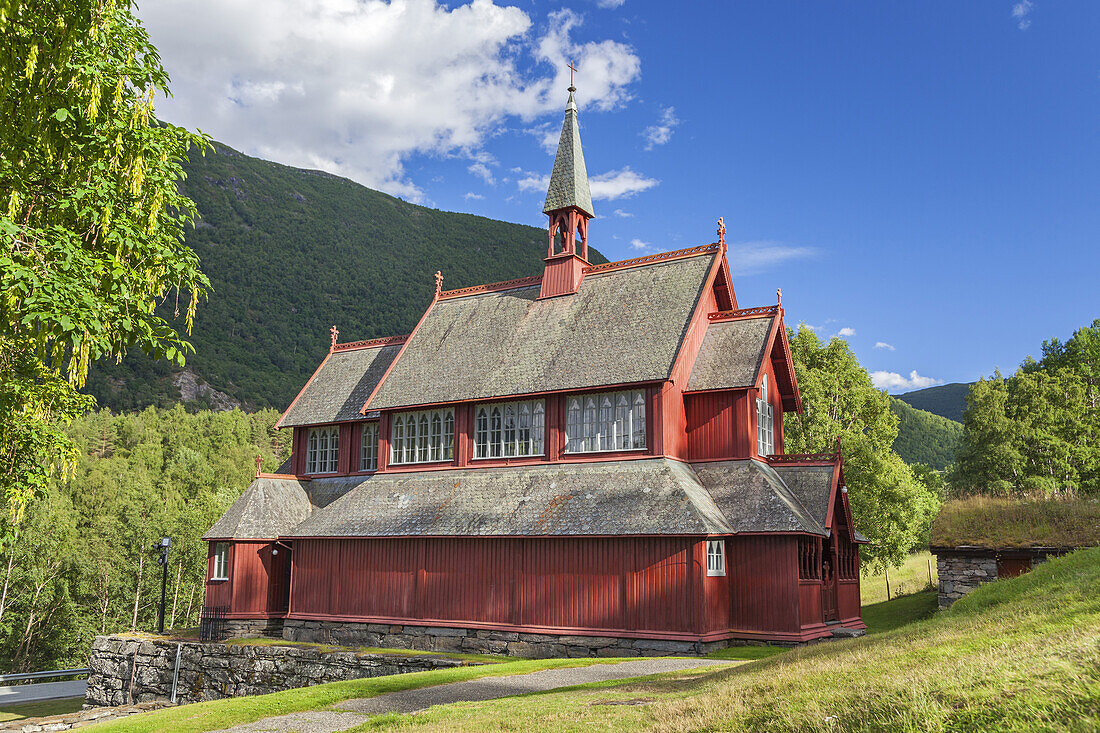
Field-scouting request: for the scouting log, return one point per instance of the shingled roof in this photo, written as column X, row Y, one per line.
column 269, row 508
column 340, row 386
column 731, row 354
column 569, row 179
column 652, row 496
column 754, row 498
column 622, row 326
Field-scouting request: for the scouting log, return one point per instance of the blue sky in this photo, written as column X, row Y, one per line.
column 924, row 177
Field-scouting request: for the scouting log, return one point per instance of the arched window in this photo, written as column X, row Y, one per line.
column 423, row 436
column 605, row 422
column 368, row 448
column 716, row 557
column 322, row 450
column 481, row 434
column 765, row 422
column 509, row 429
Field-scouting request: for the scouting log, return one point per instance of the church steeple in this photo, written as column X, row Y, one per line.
column 569, row 207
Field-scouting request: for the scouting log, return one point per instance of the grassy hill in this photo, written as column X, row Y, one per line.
column 946, row 400
column 924, row 437
column 291, row 252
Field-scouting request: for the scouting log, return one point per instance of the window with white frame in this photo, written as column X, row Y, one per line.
column 422, row 436
column 604, row 422
column 220, row 570
column 765, row 422
column 368, row 448
column 322, row 450
column 716, row 557
column 509, row 429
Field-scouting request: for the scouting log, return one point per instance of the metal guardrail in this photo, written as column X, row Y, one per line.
column 4, row 678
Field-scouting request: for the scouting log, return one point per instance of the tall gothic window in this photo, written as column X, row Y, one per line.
column 510, row 429
column 765, row 422
column 422, row 436
column 605, row 422
column 368, row 448
column 716, row 557
column 322, row 450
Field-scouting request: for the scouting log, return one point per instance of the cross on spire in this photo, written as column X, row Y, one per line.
column 438, row 283
column 335, row 332
column 721, row 231
column 571, row 68
column 259, row 463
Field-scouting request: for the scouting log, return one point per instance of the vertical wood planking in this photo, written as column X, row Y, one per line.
column 764, row 591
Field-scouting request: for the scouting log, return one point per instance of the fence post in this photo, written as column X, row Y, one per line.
column 887, row 583
column 930, row 573
column 176, row 672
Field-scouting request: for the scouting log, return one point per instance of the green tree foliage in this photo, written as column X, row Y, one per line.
column 1036, row 432
column 890, row 504
column 291, row 252
column 82, row 562
column 90, row 217
column 923, row 437
column 945, row 400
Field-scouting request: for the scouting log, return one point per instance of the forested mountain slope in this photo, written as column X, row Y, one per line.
column 289, row 253
column 924, row 437
column 946, row 400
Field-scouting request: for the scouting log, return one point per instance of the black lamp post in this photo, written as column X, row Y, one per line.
column 165, row 543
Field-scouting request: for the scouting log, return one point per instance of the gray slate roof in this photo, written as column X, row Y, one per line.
column 655, row 496
column 569, row 179
column 754, row 498
column 621, row 326
column 340, row 387
column 811, row 485
column 731, row 354
column 267, row 509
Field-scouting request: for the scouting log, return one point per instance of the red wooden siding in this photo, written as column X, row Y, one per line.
column 257, row 584
column 720, row 425
column 764, row 590
column 612, row 584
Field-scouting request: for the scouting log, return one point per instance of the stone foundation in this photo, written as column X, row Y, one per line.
column 128, row 670
column 484, row 641
column 248, row 628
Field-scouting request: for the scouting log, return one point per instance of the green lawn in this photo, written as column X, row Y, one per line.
column 40, row 709
column 1020, row 654
column 911, row 577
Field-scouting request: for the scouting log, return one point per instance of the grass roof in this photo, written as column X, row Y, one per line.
column 987, row 522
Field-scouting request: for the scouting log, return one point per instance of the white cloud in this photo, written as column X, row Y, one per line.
column 482, row 171
column 1020, row 11
column 894, row 382
column 642, row 248
column 355, row 87
column 619, row 184
column 884, row 345
column 846, row 332
column 661, row 133
column 471, row 196
column 622, row 214
column 750, row 258
column 610, row 4
column 533, row 182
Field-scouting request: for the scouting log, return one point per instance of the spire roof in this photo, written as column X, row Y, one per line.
column 569, row 181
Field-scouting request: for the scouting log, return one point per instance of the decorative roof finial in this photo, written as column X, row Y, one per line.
column 779, row 296
column 838, row 445
column 335, row 332
column 721, row 231
column 259, row 463
column 571, row 68
column 438, row 283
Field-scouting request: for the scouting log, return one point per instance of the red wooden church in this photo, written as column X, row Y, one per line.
column 589, row 461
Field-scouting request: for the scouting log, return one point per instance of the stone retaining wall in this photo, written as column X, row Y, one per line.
column 483, row 641
column 960, row 574
column 129, row 670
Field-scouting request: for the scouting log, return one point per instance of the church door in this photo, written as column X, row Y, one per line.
column 828, row 585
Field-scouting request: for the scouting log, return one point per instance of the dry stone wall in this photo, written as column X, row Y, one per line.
column 960, row 574
column 129, row 670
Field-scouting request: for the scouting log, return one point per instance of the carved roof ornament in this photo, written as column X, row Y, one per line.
column 335, row 332
column 259, row 464
column 721, row 231
column 779, row 296
column 438, row 283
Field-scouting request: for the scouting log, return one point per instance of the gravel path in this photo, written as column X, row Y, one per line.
column 351, row 713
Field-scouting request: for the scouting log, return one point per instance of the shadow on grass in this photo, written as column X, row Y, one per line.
column 898, row 612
